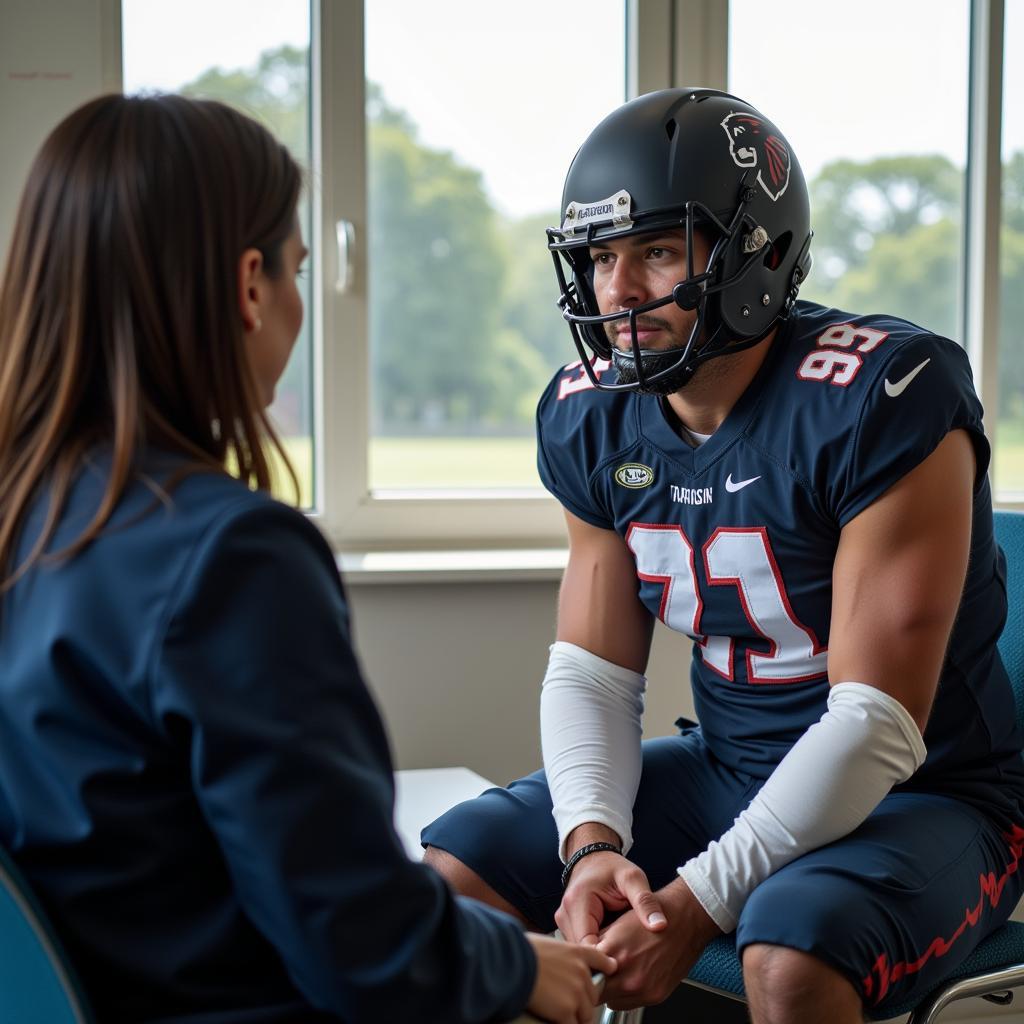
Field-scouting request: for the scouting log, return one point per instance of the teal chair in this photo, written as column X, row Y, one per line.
column 37, row 984
column 996, row 967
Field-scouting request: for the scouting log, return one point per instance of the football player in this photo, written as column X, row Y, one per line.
column 803, row 492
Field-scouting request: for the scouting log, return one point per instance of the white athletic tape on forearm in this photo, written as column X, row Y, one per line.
column 590, row 725
column 833, row 777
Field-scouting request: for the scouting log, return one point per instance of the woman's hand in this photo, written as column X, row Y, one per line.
column 564, row 992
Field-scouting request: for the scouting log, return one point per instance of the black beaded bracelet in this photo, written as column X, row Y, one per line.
column 582, row 852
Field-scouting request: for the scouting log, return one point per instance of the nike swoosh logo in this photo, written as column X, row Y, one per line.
column 732, row 488
column 897, row 389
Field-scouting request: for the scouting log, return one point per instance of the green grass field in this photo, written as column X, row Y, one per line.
column 457, row 462
column 416, row 463
column 1009, row 460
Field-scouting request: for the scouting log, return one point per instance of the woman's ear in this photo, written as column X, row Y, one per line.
column 250, row 289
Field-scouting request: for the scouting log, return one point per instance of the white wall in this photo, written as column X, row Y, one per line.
column 456, row 669
column 54, row 55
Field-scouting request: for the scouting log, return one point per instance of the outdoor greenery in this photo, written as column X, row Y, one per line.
column 276, row 92
column 464, row 329
column 444, row 354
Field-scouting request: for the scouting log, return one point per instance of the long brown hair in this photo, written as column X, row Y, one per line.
column 119, row 318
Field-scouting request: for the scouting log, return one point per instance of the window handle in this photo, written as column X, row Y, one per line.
column 346, row 235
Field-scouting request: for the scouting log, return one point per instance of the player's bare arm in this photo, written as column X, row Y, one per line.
column 898, row 577
column 598, row 606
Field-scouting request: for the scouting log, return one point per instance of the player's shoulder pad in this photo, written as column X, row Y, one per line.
column 571, row 395
column 580, row 426
column 832, row 363
column 867, row 398
column 847, row 352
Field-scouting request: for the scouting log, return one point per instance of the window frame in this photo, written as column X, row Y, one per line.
column 353, row 517
column 669, row 43
column 983, row 213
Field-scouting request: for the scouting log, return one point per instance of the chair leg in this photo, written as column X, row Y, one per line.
column 998, row 983
column 622, row 1016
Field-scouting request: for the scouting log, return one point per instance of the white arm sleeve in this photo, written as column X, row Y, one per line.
column 833, row 777
column 590, row 715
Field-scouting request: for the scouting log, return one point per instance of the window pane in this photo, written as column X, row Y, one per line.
column 1010, row 433
column 876, row 111
column 253, row 54
column 473, row 121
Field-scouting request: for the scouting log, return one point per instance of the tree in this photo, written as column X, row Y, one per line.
column 463, row 323
column 1011, row 343
column 529, row 304
column 1013, row 192
column 913, row 275
column 454, row 343
column 430, row 319
column 855, row 203
column 276, row 93
column 442, row 360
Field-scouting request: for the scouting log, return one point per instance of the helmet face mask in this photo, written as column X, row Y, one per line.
column 684, row 161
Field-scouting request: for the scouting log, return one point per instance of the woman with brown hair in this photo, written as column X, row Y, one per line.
column 193, row 775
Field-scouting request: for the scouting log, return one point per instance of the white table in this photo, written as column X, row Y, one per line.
column 423, row 794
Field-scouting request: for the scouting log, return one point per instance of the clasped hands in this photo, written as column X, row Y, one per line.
column 655, row 942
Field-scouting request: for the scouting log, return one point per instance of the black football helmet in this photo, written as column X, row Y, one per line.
column 685, row 159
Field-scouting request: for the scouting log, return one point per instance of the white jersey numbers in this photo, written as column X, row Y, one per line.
column 743, row 558
column 740, row 558
column 577, row 379
column 665, row 555
column 838, row 357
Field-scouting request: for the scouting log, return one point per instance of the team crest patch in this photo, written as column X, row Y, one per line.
column 634, row 475
column 753, row 144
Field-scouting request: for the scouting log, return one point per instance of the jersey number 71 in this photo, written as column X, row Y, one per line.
column 739, row 557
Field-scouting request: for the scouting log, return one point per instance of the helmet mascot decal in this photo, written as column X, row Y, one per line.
column 686, row 160
column 752, row 146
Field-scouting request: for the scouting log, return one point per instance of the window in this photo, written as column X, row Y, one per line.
column 1009, row 471
column 444, row 329
column 253, row 54
column 438, row 136
column 881, row 138
column 471, row 127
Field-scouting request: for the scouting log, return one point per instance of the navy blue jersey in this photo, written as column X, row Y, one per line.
column 735, row 540
column 195, row 779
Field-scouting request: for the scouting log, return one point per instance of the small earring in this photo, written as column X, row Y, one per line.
column 258, row 326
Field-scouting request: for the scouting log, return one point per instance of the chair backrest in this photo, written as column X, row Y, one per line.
column 1010, row 536
column 37, row 985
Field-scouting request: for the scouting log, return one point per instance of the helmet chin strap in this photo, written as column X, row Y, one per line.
column 660, row 362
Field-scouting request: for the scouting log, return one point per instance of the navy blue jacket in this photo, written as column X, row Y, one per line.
column 197, row 783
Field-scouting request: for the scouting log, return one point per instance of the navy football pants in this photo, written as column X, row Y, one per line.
column 894, row 906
